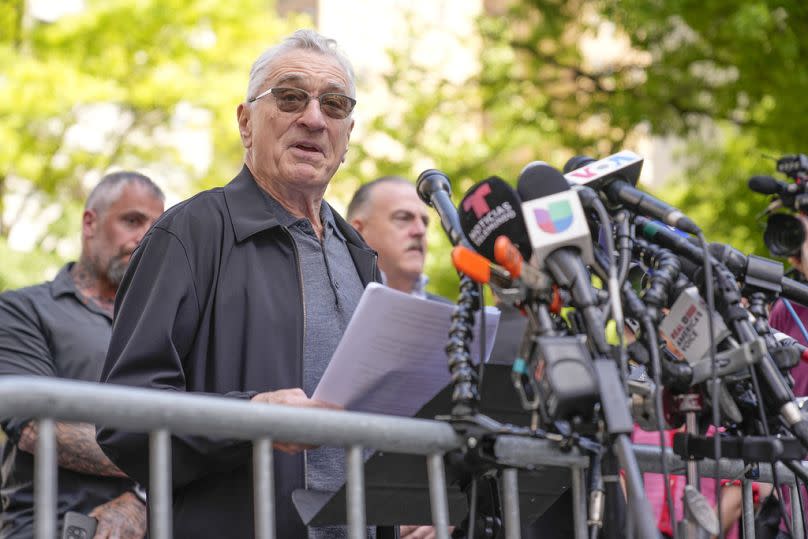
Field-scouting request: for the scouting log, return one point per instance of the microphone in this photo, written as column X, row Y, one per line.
column 561, row 241
column 489, row 210
column 737, row 262
column 508, row 256
column 685, row 328
column 480, row 269
column 615, row 176
column 552, row 214
column 786, row 340
column 435, row 189
column 766, row 185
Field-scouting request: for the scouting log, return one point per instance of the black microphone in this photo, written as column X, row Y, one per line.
column 775, row 387
column 737, row 262
column 491, row 209
column 766, row 185
column 435, row 190
column 615, row 177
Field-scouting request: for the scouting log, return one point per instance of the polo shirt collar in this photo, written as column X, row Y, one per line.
column 63, row 283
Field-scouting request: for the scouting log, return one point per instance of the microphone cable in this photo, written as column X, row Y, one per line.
column 481, row 358
column 714, row 380
column 796, row 318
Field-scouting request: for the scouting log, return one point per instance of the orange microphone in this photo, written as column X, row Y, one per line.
column 479, row 268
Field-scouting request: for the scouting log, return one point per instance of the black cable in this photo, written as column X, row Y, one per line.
column 800, row 474
column 649, row 332
column 482, row 358
column 624, row 244
column 799, row 500
column 714, row 380
column 472, row 508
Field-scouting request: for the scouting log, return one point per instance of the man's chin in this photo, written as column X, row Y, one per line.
column 116, row 271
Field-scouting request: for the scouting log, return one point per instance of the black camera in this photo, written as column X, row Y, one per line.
column 785, row 234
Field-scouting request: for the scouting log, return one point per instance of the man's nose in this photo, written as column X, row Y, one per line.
column 418, row 228
column 312, row 115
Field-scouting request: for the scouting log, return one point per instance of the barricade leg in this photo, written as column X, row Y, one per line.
column 264, row 489
column 579, row 502
column 45, row 480
column 748, row 515
column 510, row 503
column 797, row 531
column 356, row 493
column 160, row 485
column 437, row 495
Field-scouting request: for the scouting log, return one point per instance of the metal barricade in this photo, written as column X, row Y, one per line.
column 163, row 413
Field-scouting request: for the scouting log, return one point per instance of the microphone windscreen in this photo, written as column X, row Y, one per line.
column 430, row 181
column 765, row 185
column 577, row 162
column 538, row 180
column 491, row 209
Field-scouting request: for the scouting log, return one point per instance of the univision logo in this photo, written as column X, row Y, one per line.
column 556, row 218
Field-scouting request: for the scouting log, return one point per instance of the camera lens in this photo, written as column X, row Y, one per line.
column 784, row 235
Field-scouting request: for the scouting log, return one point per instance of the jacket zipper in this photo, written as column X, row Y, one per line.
column 303, row 335
column 373, row 268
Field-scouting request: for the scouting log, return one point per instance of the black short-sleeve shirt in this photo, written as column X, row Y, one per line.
column 49, row 330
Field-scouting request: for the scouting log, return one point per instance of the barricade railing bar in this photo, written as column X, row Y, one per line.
column 163, row 413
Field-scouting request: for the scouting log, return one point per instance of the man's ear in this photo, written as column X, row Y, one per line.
column 89, row 223
column 243, row 115
column 357, row 224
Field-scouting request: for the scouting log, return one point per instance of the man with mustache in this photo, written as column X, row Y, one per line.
column 61, row 329
column 393, row 221
column 245, row 290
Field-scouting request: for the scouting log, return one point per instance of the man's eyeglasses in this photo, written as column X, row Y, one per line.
column 296, row 100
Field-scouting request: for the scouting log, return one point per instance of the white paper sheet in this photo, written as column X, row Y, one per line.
column 391, row 359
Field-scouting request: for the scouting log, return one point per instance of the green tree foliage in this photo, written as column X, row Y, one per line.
column 115, row 86
column 564, row 77
column 724, row 76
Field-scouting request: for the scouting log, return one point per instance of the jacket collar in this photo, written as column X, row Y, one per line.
column 251, row 211
column 247, row 205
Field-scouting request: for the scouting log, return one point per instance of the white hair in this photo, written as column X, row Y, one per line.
column 305, row 39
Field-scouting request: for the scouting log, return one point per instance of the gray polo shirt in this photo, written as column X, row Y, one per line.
column 49, row 330
column 331, row 291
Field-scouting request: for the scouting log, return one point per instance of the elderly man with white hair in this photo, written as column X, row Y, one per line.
column 245, row 290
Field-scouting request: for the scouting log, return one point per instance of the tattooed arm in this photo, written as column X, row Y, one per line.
column 121, row 518
column 76, row 450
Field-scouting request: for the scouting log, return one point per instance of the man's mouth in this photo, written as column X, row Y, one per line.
column 306, row 147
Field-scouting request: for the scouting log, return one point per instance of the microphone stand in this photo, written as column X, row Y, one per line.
column 567, row 270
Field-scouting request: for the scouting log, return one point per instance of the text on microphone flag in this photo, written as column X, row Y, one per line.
column 603, row 167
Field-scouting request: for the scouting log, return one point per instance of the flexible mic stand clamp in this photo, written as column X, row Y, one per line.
column 465, row 391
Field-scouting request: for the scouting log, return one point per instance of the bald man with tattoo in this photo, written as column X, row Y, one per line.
column 61, row 329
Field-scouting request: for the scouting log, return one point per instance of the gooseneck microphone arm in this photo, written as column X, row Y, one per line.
column 435, row 190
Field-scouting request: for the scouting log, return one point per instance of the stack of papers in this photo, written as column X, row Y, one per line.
column 391, row 359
